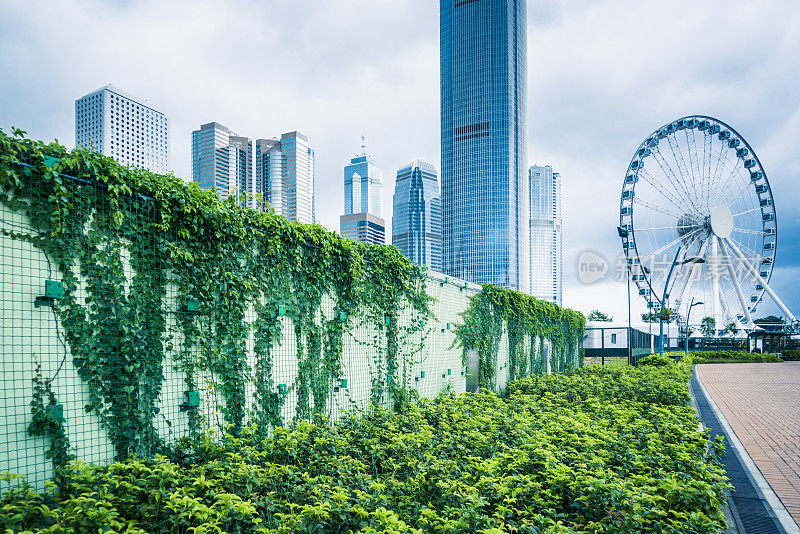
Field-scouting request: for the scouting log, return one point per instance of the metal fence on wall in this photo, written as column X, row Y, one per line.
column 35, row 354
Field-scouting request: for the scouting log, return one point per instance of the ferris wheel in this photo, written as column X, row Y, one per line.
column 698, row 220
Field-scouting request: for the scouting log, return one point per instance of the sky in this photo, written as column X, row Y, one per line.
column 602, row 76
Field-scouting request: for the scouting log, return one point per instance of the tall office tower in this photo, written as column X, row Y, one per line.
column 483, row 104
column 128, row 129
column 285, row 176
column 417, row 214
column 269, row 175
column 223, row 160
column 547, row 245
column 363, row 187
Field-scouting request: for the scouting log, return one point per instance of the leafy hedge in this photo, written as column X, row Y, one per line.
column 728, row 356
column 791, row 355
column 600, row 450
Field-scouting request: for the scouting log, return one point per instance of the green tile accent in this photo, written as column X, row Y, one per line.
column 192, row 305
column 282, row 389
column 192, row 398
column 53, row 289
column 344, row 383
column 281, row 310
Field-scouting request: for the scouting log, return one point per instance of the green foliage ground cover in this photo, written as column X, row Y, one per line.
column 791, row 355
column 598, row 450
column 728, row 356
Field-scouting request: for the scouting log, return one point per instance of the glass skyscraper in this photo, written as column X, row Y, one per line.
column 484, row 169
column 128, row 129
column 223, row 160
column 284, row 176
column 417, row 214
column 363, row 187
column 547, row 243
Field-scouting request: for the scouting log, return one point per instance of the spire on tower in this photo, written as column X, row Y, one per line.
column 363, row 141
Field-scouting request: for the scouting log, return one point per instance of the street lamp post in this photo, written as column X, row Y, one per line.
column 623, row 233
column 688, row 314
column 675, row 263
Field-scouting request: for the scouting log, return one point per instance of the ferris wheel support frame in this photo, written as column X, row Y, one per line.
column 736, row 285
column 758, row 277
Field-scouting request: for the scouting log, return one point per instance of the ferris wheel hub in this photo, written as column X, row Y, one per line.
column 721, row 221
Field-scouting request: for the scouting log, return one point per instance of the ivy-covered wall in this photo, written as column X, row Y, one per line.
column 138, row 311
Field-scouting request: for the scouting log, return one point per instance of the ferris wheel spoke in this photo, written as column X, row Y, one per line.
column 747, row 249
column 719, row 167
column 748, row 211
column 739, row 194
column 661, row 190
column 691, row 142
column 749, row 232
column 670, row 174
column 670, row 244
column 706, row 177
column 677, row 155
column 646, row 204
column 652, row 229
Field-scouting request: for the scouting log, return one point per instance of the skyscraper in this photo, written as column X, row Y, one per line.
column 363, row 187
column 417, row 214
column 223, row 160
column 546, row 237
column 285, row 176
column 363, row 184
column 116, row 124
column 483, row 106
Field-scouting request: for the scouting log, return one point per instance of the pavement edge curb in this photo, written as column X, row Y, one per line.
column 781, row 514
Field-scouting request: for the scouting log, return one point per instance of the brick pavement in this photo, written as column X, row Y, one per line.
column 761, row 402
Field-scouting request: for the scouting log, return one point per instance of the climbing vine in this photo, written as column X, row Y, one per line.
column 528, row 322
column 123, row 240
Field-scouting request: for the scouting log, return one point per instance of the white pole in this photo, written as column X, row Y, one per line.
column 693, row 274
column 736, row 285
column 714, row 268
column 763, row 282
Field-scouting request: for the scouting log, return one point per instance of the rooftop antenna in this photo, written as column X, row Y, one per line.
column 363, row 141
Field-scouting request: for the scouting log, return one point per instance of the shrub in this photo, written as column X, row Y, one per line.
column 791, row 355
column 599, row 450
column 654, row 360
column 729, row 356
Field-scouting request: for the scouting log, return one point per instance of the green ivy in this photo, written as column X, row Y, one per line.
column 131, row 234
column 526, row 319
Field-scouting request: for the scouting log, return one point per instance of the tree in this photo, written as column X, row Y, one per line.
column 732, row 329
column 708, row 326
column 597, row 315
column 649, row 317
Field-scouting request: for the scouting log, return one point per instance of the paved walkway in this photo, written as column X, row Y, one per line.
column 761, row 402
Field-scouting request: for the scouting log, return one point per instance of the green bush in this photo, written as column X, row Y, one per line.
column 654, row 360
column 599, row 450
column 791, row 355
column 728, row 356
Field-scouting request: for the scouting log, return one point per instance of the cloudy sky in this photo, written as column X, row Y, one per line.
column 602, row 76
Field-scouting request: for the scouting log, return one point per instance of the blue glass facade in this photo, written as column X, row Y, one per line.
column 417, row 214
column 484, row 171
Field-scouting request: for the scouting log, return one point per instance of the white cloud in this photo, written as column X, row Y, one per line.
column 602, row 76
